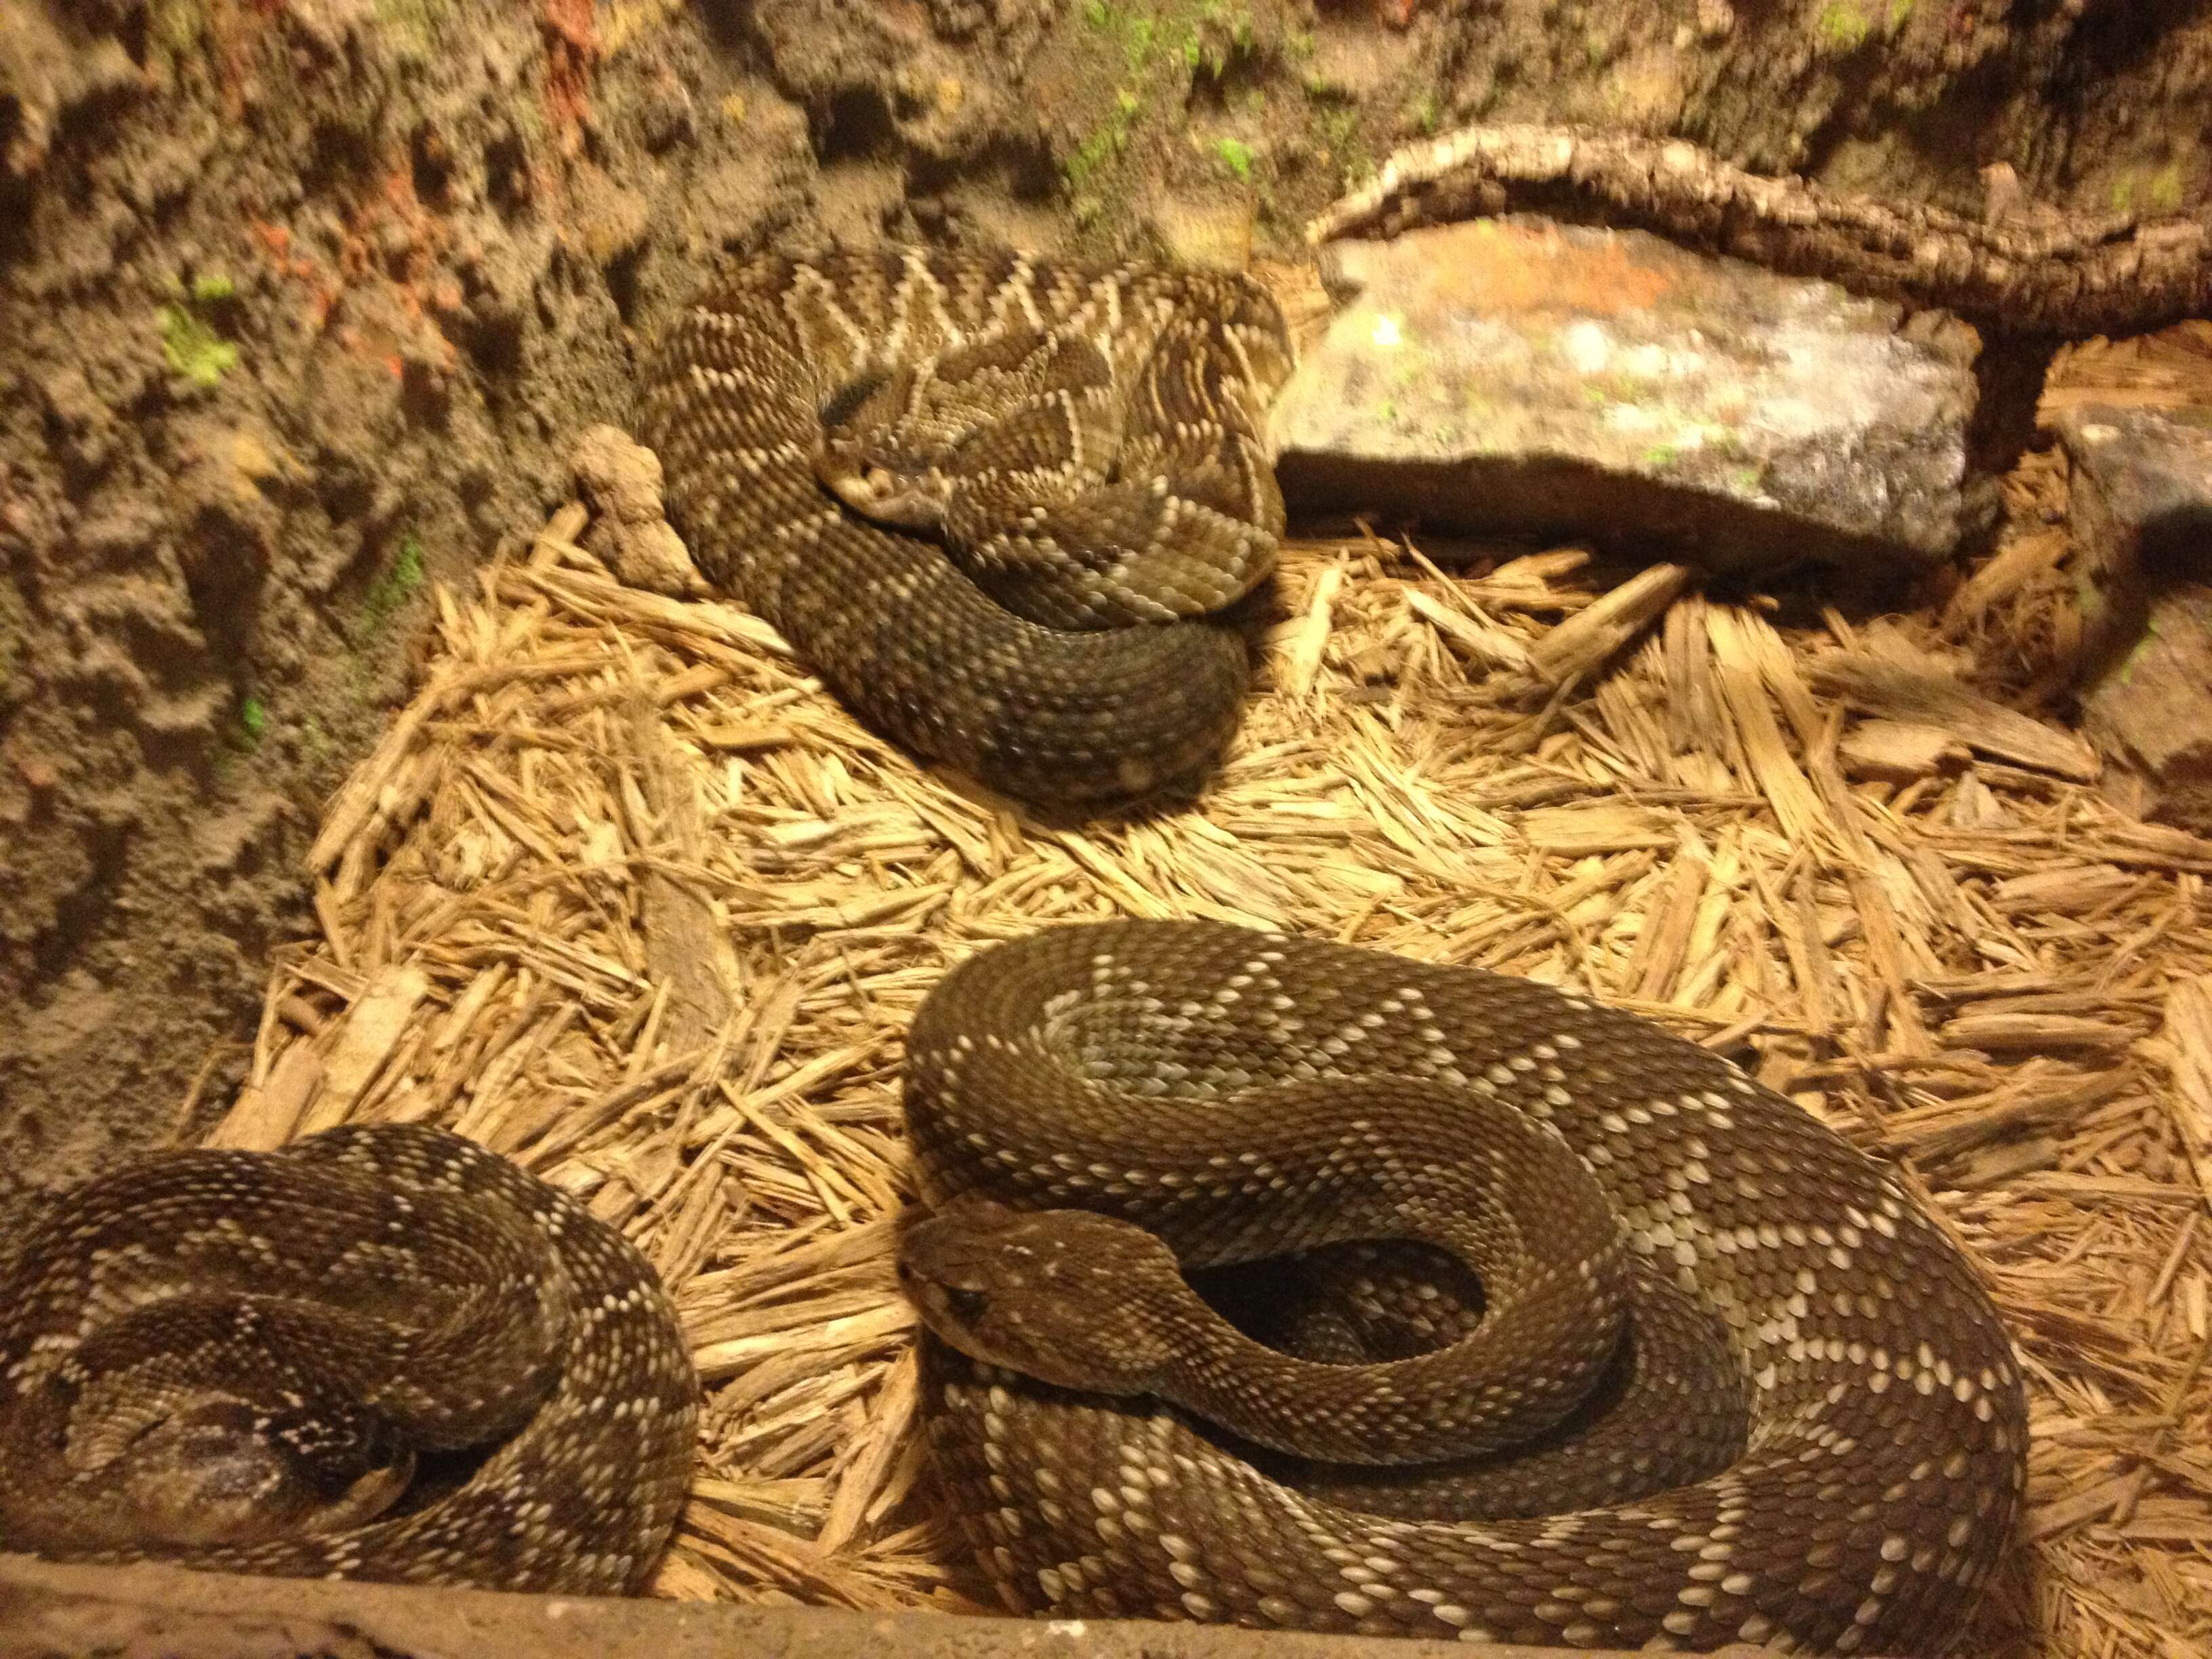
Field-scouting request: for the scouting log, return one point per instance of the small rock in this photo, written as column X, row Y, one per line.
column 1516, row 375
column 2142, row 515
column 2141, row 510
column 622, row 475
column 622, row 478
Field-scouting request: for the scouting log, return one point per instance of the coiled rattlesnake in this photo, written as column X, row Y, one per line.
column 1083, row 442
column 232, row 1360
column 1843, row 1477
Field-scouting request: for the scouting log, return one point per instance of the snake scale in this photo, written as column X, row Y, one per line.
column 998, row 503
column 1813, row 1438
column 379, row 1352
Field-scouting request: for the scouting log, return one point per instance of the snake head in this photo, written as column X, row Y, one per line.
column 884, row 453
column 1077, row 1300
column 208, row 1469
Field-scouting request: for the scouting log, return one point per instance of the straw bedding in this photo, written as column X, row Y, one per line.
column 624, row 895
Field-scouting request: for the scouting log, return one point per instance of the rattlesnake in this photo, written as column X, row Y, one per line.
column 1083, row 446
column 1844, row 1479
column 230, row 1360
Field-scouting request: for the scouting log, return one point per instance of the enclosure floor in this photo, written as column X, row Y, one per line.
column 624, row 895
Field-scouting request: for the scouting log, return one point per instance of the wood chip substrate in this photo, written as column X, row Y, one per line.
column 626, row 895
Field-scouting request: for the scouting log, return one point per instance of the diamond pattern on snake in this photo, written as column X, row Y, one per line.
column 1005, row 508
column 1767, row 1399
column 379, row 1352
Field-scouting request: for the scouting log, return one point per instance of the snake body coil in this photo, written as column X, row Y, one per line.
column 1869, row 1417
column 1083, row 445
column 238, row 1361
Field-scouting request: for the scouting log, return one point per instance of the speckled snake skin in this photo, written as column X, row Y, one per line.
column 236, row 1361
column 1236, row 1092
column 992, row 501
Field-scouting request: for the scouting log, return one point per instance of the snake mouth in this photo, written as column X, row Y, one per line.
column 905, row 499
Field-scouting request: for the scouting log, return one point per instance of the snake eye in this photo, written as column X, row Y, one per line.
column 967, row 1305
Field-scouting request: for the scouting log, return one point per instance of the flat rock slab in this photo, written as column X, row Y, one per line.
column 1514, row 375
column 2141, row 510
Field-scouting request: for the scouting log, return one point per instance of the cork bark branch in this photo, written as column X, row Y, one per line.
column 2032, row 272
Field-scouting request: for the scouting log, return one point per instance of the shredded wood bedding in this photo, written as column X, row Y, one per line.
column 624, row 895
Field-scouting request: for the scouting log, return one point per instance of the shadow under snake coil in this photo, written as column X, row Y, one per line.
column 993, row 501
column 251, row 1362
column 1805, row 1425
